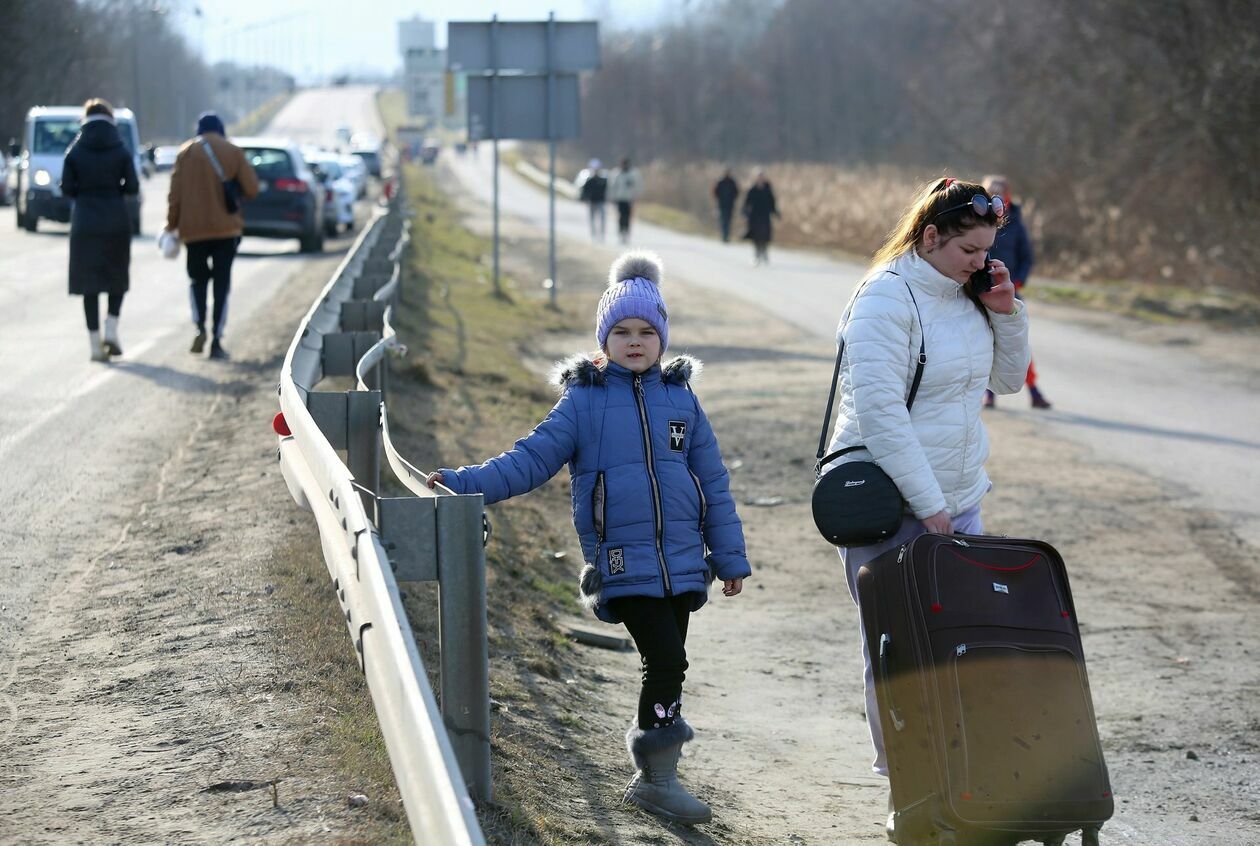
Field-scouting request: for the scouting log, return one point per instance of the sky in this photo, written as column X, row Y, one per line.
column 315, row 39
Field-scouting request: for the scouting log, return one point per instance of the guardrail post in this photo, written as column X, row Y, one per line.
column 465, row 679
column 363, row 443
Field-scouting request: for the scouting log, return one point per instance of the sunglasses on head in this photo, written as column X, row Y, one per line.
column 980, row 205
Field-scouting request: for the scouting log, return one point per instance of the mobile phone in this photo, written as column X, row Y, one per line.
column 982, row 280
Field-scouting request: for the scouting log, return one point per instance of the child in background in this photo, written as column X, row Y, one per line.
column 650, row 496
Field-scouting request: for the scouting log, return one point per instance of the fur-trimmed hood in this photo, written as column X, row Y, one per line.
column 581, row 369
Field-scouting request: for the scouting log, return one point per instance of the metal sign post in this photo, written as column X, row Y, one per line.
column 538, row 99
column 494, row 133
column 551, row 158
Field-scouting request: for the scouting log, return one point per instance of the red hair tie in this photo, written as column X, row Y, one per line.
column 949, row 180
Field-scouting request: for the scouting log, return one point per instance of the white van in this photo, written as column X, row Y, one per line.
column 38, row 159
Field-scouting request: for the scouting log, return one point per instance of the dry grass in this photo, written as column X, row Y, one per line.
column 314, row 654
column 392, row 104
column 256, row 120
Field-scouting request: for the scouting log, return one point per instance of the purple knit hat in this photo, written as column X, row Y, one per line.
column 633, row 290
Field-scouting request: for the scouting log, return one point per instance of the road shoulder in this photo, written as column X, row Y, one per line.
column 166, row 693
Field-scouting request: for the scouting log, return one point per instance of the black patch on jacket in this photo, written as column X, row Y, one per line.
column 616, row 561
column 677, row 435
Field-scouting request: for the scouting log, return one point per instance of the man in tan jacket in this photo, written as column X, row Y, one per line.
column 197, row 208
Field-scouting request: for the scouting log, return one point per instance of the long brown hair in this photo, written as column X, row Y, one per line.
column 945, row 202
column 933, row 199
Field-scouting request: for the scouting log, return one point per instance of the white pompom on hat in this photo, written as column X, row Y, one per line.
column 633, row 290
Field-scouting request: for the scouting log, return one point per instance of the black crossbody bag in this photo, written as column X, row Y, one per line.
column 856, row 503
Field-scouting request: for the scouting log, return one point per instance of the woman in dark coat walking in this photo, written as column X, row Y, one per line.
column 97, row 173
column 759, row 207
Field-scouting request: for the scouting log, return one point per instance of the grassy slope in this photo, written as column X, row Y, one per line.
column 257, row 120
column 392, row 104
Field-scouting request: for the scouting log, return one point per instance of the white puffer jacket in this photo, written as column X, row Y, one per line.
column 936, row 451
column 624, row 186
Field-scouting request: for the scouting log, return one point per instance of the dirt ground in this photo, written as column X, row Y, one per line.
column 161, row 693
column 1166, row 599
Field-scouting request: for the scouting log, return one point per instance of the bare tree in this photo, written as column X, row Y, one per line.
column 1130, row 124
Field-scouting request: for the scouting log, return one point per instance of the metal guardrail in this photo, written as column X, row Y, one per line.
column 371, row 543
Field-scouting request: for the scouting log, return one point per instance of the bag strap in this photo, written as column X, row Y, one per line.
column 214, row 160
column 824, row 460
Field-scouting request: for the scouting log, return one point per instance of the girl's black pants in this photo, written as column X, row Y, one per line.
column 659, row 628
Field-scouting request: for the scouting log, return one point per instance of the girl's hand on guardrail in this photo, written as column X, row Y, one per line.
column 732, row 587
column 433, row 479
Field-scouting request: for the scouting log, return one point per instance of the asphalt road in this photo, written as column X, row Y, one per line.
column 76, row 436
column 313, row 117
column 1163, row 408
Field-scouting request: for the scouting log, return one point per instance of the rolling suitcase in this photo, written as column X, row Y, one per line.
column 980, row 678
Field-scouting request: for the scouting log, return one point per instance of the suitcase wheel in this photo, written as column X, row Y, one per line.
column 1089, row 837
column 1056, row 840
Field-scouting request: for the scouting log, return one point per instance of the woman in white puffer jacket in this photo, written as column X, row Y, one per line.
column 935, row 451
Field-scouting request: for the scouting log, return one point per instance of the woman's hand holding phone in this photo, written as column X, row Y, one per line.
column 1001, row 297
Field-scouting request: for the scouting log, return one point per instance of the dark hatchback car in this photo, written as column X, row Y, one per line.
column 290, row 201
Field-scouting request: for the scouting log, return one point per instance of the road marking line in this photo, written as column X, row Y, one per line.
column 86, row 388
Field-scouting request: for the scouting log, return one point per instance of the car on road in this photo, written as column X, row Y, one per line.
column 367, row 147
column 429, row 149
column 164, row 156
column 5, row 193
column 48, row 132
column 339, row 191
column 290, row 201
column 356, row 171
column 371, row 159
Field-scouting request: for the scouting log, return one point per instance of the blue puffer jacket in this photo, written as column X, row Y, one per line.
column 650, row 491
column 1012, row 246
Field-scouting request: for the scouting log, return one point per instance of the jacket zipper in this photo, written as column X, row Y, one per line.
column 658, row 519
column 599, row 512
column 599, row 506
column 704, row 505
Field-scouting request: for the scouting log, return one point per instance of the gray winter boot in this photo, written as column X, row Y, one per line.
column 112, row 344
column 96, row 347
column 655, row 787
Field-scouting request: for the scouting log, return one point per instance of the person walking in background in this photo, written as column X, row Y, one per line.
column 918, row 290
column 97, row 172
column 593, row 190
column 651, row 497
column 726, row 191
column 208, row 171
column 759, row 208
column 624, row 187
column 1014, row 249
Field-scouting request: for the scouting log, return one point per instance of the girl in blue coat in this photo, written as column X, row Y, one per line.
column 651, row 503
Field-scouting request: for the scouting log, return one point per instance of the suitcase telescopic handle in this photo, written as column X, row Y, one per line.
column 885, row 647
